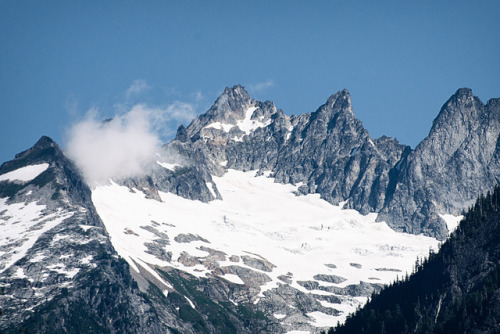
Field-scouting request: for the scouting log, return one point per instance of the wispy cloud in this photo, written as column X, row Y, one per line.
column 117, row 148
column 138, row 86
column 165, row 120
column 125, row 145
column 260, row 86
column 198, row 96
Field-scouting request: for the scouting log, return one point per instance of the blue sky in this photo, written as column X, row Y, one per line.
column 400, row 60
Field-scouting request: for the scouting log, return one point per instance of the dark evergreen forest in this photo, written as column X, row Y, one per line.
column 456, row 290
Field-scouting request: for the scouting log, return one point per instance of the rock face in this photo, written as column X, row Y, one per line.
column 451, row 167
column 60, row 268
column 59, row 271
column 57, row 261
column 330, row 152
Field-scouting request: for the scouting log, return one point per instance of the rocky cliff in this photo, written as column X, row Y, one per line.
column 455, row 163
column 329, row 152
column 58, row 270
column 226, row 232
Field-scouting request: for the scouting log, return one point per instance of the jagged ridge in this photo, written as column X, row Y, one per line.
column 330, row 152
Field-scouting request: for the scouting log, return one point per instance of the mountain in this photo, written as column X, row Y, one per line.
column 59, row 271
column 453, row 165
column 248, row 221
column 330, row 153
column 453, row 291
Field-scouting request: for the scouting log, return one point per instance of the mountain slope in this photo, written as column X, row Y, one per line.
column 56, row 259
column 453, row 165
column 330, row 153
column 297, row 259
column 454, row 291
column 248, row 221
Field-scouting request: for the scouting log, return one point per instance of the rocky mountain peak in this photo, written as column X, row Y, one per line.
column 459, row 115
column 43, row 143
column 52, row 244
column 340, row 95
column 451, row 166
column 493, row 104
column 233, row 115
column 463, row 93
column 232, row 101
column 338, row 102
column 236, row 91
column 181, row 134
column 335, row 115
column 45, row 150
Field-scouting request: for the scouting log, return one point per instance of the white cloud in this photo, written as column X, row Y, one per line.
column 137, row 87
column 260, row 86
column 125, row 145
column 181, row 111
column 198, row 96
column 118, row 148
column 165, row 120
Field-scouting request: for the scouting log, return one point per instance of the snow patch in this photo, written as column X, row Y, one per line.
column 233, row 278
column 85, row 228
column 211, row 189
column 25, row 174
column 19, row 273
column 168, row 166
column 296, row 234
column 247, row 125
column 220, row 126
column 190, row 302
column 21, row 226
column 86, row 260
column 322, row 320
column 451, row 221
column 61, row 269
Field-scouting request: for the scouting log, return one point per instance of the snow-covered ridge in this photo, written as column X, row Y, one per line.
column 25, row 174
column 21, row 224
column 246, row 125
column 264, row 227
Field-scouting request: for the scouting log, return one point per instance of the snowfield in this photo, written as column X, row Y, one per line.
column 247, row 125
column 25, row 174
column 21, row 224
column 296, row 236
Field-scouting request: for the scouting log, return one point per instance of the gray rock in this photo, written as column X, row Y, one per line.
column 449, row 169
column 328, row 152
column 187, row 238
column 332, row 154
column 329, row 278
column 69, row 271
column 256, row 263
